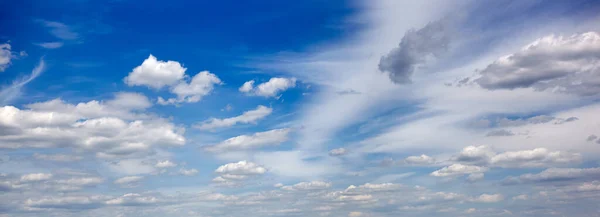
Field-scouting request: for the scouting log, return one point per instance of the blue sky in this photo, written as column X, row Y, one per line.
column 299, row 108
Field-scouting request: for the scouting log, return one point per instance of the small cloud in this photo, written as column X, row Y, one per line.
column 50, row 45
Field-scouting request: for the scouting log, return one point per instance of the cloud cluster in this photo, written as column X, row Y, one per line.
column 157, row 74
column 5, row 56
column 534, row 158
column 271, row 88
column 555, row 63
column 107, row 128
column 233, row 174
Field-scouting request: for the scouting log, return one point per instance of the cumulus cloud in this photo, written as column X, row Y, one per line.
column 415, row 48
column 201, row 85
column 419, row 160
column 96, row 127
column 539, row 157
column 338, row 152
column 556, row 63
column 156, row 73
column 251, row 116
column 252, row 141
column 555, row 174
column 133, row 199
column 165, row 164
column 233, row 174
column 271, row 88
column 67, row 202
column 474, row 154
column 458, row 169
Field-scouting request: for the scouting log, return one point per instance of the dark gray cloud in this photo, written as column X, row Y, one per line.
column 555, row 63
column 415, row 48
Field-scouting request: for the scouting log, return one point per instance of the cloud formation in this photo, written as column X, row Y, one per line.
column 251, row 116
column 271, row 88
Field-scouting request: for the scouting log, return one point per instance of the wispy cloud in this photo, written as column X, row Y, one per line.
column 11, row 92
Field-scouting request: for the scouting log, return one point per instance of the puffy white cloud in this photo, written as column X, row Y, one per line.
column 232, row 174
column 539, row 157
column 57, row 157
column 251, row 116
column 253, row 141
column 338, row 152
column 93, row 126
column 307, row 186
column 458, row 169
column 129, row 101
column 129, row 181
column 155, row 73
column 270, row 88
column 36, row 177
column 557, row 63
column 488, row 198
column 50, row 45
column 475, row 154
column 419, row 160
column 165, row 164
column 241, row 168
column 5, row 56
column 201, row 85
column 188, row 172
column 555, row 174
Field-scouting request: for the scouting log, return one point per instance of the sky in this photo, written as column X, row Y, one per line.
column 358, row 108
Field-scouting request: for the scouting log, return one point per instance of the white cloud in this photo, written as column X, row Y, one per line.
column 11, row 92
column 133, row 199
column 5, row 56
column 251, row 116
column 419, row 160
column 156, row 73
column 36, row 177
column 129, row 181
column 233, row 174
column 307, row 186
column 129, row 101
column 201, row 85
column 368, row 187
column 557, row 63
column 165, row 164
column 90, row 126
column 188, row 172
column 253, row 141
column 270, row 88
column 555, row 174
column 539, row 157
column 473, row 177
column 81, row 181
column 477, row 154
column 50, row 45
column 241, row 168
column 458, row 169
column 338, row 152
column 488, row 198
